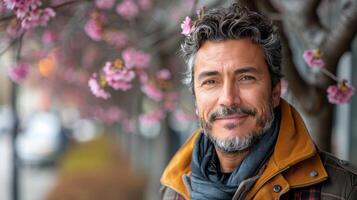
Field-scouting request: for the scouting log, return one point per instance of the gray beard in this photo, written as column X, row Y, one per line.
column 239, row 143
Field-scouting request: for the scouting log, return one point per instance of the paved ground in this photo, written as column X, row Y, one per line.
column 35, row 182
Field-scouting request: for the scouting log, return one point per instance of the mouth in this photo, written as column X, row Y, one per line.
column 234, row 117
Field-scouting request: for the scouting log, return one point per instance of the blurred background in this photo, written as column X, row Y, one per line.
column 91, row 100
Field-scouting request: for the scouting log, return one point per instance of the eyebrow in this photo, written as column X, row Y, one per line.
column 237, row 71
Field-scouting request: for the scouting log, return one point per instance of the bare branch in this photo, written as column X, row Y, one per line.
column 9, row 17
column 339, row 39
column 19, row 48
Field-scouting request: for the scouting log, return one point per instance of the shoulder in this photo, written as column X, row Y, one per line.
column 338, row 165
column 342, row 179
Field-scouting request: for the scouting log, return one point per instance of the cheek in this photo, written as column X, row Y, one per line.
column 259, row 99
column 204, row 106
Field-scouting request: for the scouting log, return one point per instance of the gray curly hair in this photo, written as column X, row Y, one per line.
column 234, row 22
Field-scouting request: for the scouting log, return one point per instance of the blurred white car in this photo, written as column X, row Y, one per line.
column 42, row 140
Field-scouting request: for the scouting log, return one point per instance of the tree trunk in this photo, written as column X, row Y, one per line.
column 319, row 124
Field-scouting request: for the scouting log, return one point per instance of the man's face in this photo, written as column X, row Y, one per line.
column 233, row 91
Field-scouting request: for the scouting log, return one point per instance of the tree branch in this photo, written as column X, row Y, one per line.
column 298, row 85
column 339, row 39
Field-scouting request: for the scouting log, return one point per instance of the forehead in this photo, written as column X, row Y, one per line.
column 240, row 52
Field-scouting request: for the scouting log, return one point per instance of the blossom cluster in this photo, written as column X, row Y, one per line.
column 114, row 75
column 94, row 29
column 135, row 58
column 188, row 24
column 340, row 93
column 30, row 13
column 128, row 9
column 97, row 88
column 119, row 74
column 313, row 58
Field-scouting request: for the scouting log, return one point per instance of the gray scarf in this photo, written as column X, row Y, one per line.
column 208, row 182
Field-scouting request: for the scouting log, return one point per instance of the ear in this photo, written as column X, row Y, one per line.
column 276, row 94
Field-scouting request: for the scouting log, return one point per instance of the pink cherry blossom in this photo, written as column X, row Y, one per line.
column 163, row 74
column 96, row 89
column 22, row 7
column 19, row 72
column 104, row 4
column 93, row 29
column 145, row 4
column 127, row 9
column 135, row 58
column 152, row 91
column 186, row 26
column 49, row 37
column 313, row 58
column 116, row 38
column 38, row 17
column 152, row 117
column 118, row 78
column 340, row 93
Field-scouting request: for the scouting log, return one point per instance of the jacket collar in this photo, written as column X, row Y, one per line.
column 294, row 155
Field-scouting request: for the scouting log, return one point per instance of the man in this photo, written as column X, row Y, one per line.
column 252, row 145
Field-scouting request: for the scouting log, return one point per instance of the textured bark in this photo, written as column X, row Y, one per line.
column 300, row 22
column 341, row 36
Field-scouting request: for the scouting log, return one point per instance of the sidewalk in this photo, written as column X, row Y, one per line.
column 96, row 170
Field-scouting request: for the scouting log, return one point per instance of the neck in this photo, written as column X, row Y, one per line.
column 230, row 161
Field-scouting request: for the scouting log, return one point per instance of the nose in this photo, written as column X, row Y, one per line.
column 229, row 95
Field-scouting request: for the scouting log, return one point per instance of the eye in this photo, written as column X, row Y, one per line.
column 248, row 78
column 209, row 82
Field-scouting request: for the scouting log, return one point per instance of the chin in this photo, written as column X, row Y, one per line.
column 231, row 141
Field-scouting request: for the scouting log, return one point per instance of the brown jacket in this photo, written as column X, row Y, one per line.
column 295, row 163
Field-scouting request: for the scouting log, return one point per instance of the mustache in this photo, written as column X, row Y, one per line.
column 233, row 110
